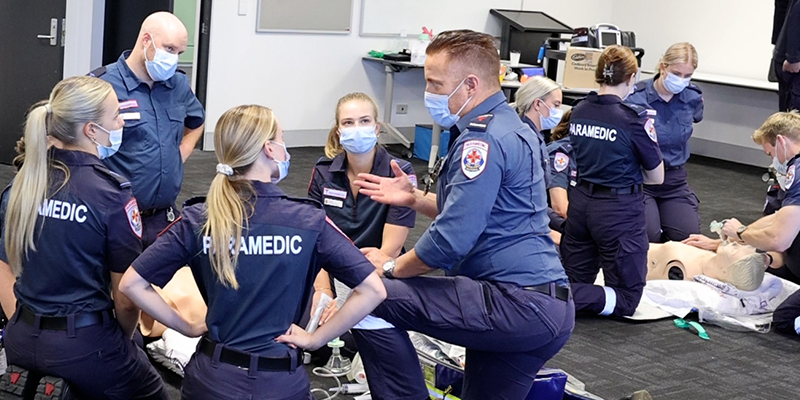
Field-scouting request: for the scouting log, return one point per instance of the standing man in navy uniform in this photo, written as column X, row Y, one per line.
column 616, row 150
column 506, row 298
column 163, row 119
column 786, row 58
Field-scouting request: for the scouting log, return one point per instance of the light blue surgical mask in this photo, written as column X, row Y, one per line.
column 438, row 106
column 163, row 65
column 114, row 137
column 283, row 166
column 358, row 139
column 781, row 168
column 674, row 83
column 551, row 121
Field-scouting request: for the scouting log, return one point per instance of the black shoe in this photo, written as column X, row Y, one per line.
column 52, row 388
column 18, row 384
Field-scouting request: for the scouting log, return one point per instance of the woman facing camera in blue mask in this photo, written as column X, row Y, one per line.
column 538, row 103
column 353, row 148
column 672, row 208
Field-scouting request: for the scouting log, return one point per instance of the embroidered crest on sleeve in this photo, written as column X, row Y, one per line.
column 650, row 128
column 474, row 157
column 134, row 218
column 560, row 161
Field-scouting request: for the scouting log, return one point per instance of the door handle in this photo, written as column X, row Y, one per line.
column 53, row 32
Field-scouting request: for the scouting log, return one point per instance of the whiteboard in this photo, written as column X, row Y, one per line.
column 304, row 16
column 732, row 37
column 388, row 18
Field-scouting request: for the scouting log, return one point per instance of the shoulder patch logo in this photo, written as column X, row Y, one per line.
column 560, row 161
column 134, row 218
column 650, row 128
column 789, row 177
column 474, row 157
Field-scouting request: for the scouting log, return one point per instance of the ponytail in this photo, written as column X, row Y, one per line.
column 28, row 191
column 73, row 103
column 239, row 140
column 226, row 215
column 332, row 147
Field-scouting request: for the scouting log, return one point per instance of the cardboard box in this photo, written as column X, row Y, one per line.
column 580, row 65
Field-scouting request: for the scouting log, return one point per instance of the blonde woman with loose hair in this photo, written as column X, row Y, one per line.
column 352, row 149
column 71, row 228
column 254, row 253
column 672, row 209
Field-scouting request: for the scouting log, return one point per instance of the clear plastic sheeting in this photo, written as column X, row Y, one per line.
column 719, row 303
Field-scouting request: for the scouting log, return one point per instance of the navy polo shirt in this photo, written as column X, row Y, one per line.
column 612, row 141
column 492, row 223
column 283, row 247
column 562, row 164
column 674, row 119
column 793, row 199
column 542, row 148
column 154, row 120
column 358, row 216
column 85, row 230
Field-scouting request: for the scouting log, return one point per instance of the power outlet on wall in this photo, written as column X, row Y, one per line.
column 402, row 109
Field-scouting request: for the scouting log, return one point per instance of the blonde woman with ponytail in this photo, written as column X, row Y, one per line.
column 254, row 253
column 672, row 208
column 71, row 228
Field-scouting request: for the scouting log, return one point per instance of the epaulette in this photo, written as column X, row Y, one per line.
column 639, row 87
column 640, row 111
column 695, row 88
column 194, row 200
column 306, row 201
column 324, row 161
column 480, row 123
column 97, row 72
column 123, row 182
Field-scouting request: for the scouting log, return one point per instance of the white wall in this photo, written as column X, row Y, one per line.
column 83, row 44
column 732, row 37
column 302, row 76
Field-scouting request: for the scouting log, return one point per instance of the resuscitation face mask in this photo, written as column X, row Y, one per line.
column 163, row 65
column 674, row 83
column 551, row 121
column 358, row 139
column 438, row 106
column 283, row 166
column 114, row 137
column 781, row 168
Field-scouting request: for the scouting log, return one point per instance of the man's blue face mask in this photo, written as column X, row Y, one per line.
column 438, row 106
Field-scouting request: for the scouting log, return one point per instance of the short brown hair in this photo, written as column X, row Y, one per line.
column 616, row 65
column 781, row 123
column 470, row 49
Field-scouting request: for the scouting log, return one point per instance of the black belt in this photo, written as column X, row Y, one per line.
column 241, row 359
column 671, row 168
column 561, row 292
column 600, row 189
column 62, row 323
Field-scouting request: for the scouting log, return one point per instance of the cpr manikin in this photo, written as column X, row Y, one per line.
column 733, row 263
column 182, row 294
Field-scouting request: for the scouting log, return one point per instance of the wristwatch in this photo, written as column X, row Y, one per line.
column 388, row 268
column 740, row 231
